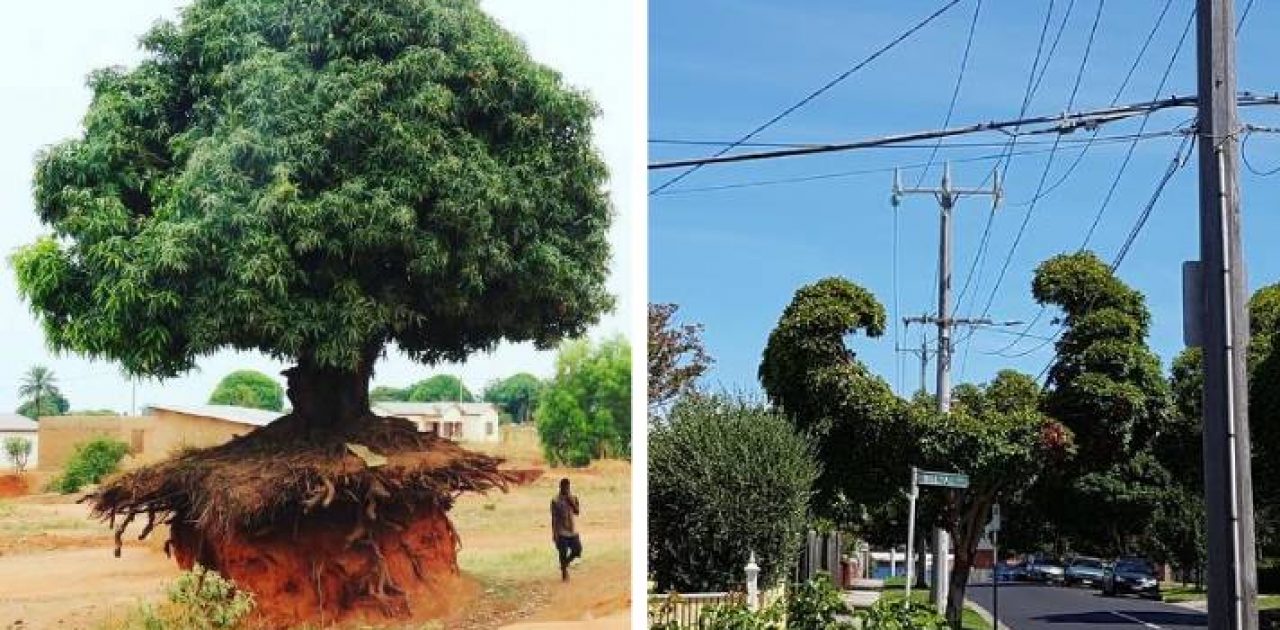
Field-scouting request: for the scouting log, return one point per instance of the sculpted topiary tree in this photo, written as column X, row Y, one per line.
column 315, row 180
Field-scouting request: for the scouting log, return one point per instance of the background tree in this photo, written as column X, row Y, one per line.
column 1107, row 387
column 518, row 395
column 677, row 357
column 248, row 388
column 18, row 450
column 727, row 477
column 312, row 181
column 853, row 416
column 39, row 389
column 441, row 387
column 1180, row 445
column 384, row 393
column 585, row 412
column 54, row 404
column 997, row 435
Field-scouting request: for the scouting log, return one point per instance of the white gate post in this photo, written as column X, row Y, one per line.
column 753, row 587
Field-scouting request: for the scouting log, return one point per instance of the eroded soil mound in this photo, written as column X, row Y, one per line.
column 321, row 525
column 12, row 485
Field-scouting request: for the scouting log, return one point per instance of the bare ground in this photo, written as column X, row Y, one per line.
column 57, row 569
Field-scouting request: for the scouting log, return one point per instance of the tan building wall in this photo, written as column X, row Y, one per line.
column 59, row 435
column 175, row 431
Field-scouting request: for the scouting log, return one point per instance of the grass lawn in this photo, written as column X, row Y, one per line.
column 1175, row 592
column 894, row 590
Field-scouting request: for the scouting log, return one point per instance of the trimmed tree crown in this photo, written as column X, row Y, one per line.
column 313, row 179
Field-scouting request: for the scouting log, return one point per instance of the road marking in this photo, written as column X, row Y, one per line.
column 1134, row 619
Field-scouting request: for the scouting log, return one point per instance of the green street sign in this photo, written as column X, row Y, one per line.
column 942, row 479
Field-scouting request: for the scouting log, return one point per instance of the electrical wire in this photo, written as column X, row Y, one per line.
column 1244, row 157
column 818, row 92
column 1115, row 181
column 1244, row 15
column 955, row 90
column 889, row 169
column 1133, row 67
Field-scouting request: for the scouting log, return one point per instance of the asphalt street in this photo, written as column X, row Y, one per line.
column 1024, row 605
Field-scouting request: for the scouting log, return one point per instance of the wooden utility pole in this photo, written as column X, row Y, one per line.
column 1225, row 331
column 947, row 196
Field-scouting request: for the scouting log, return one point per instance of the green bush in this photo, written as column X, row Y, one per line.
column 198, row 600
column 727, row 477
column 900, row 614
column 814, row 605
column 90, row 462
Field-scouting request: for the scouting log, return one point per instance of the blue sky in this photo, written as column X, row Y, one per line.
column 50, row 47
column 732, row 258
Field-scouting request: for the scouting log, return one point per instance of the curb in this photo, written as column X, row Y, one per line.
column 982, row 612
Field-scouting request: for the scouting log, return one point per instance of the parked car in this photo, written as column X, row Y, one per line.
column 1006, row 572
column 1084, row 571
column 1131, row 576
column 1044, row 568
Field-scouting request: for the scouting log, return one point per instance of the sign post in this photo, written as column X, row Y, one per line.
column 926, row 478
column 911, row 532
column 994, row 528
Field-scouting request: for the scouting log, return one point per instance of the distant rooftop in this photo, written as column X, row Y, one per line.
column 230, row 413
column 438, row 408
column 15, row 422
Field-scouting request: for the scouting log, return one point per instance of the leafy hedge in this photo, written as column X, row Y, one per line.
column 90, row 462
column 727, row 477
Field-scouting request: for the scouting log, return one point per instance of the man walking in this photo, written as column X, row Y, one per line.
column 564, row 507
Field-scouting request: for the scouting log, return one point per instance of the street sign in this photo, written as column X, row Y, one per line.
column 942, row 479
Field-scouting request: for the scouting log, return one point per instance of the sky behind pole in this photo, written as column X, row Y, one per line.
column 732, row 258
column 48, row 49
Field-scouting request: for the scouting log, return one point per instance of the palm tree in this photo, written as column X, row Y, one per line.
column 37, row 384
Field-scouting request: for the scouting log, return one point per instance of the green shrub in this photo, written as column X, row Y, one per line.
column 900, row 614
column 726, row 477
column 90, row 462
column 814, row 605
column 208, row 601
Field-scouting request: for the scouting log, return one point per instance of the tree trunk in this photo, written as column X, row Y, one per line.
column 966, row 534
column 326, row 397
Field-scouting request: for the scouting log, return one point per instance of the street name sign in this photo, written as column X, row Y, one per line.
column 942, row 479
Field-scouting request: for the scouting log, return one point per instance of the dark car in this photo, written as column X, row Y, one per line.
column 1131, row 576
column 1005, row 572
column 1084, row 571
column 1044, row 568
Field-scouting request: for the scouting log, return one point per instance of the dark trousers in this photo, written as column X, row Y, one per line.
column 569, row 547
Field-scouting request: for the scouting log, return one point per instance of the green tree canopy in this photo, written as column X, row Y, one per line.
column 1108, row 388
column 861, row 435
column 40, row 394
column 441, row 387
column 248, row 388
column 585, row 412
column 517, row 394
column 996, row 434
column 384, row 393
column 727, row 477
column 313, row 180
column 677, row 357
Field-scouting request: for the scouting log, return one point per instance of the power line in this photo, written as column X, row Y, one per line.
column 816, row 93
column 1027, row 95
column 1026, row 219
column 1105, row 140
column 955, row 90
column 1058, row 123
column 1180, row 158
column 1124, row 164
column 1244, row 157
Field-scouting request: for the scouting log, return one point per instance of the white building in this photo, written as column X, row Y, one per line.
column 461, row 422
column 14, row 425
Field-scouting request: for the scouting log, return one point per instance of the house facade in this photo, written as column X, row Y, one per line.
column 13, row 425
column 461, row 422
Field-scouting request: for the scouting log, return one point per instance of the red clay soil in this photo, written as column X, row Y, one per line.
column 317, row 573
column 12, row 485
